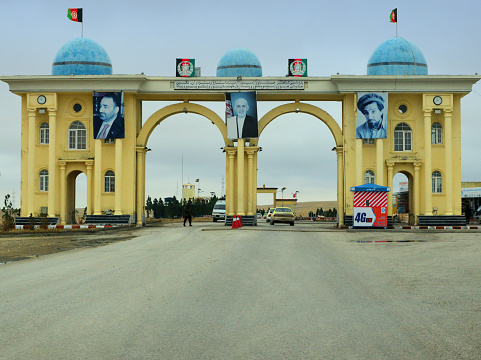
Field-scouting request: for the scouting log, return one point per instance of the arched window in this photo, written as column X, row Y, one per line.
column 369, row 177
column 437, row 182
column 436, row 133
column 403, row 138
column 43, row 180
column 77, row 136
column 110, row 181
column 44, row 133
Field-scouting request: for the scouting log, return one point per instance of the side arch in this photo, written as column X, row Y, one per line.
column 160, row 115
column 307, row 109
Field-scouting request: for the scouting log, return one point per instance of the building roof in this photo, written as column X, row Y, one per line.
column 397, row 56
column 82, row 56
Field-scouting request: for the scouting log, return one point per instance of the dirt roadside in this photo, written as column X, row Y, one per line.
column 24, row 244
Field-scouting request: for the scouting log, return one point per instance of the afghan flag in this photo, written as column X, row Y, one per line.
column 393, row 16
column 75, row 15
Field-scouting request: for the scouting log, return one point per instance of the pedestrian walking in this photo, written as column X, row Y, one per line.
column 188, row 213
column 468, row 213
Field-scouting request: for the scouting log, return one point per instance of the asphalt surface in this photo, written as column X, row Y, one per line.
column 270, row 292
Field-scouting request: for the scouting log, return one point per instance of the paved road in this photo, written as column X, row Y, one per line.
column 207, row 292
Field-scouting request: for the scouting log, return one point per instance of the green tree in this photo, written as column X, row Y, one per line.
column 149, row 206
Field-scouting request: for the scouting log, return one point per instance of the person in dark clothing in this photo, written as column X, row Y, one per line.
column 468, row 213
column 188, row 213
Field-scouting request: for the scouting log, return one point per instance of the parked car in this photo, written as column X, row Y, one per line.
column 259, row 215
column 269, row 213
column 282, row 215
column 218, row 213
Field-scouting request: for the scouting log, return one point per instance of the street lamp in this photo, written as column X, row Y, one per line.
column 282, row 192
column 295, row 195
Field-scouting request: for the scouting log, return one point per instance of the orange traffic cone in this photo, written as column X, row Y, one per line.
column 235, row 222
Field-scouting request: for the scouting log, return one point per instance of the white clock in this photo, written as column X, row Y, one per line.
column 437, row 100
column 42, row 99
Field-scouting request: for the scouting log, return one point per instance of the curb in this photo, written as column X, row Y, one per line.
column 66, row 227
column 423, row 228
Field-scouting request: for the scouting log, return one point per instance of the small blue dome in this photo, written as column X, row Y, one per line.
column 82, row 56
column 239, row 61
column 397, row 56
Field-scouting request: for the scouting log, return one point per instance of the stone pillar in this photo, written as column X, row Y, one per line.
column 340, row 184
column 63, row 192
column 240, row 177
column 428, row 191
column 359, row 167
column 390, row 170
column 251, row 185
column 230, row 183
column 89, row 165
column 417, row 187
column 98, row 177
column 118, row 176
column 32, row 172
column 380, row 162
column 448, row 175
column 140, row 184
column 52, row 163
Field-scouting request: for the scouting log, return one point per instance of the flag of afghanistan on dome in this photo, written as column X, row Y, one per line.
column 75, row 15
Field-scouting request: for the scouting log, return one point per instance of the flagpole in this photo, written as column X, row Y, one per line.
column 82, row 27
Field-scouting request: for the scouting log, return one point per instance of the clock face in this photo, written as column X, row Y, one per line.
column 437, row 100
column 42, row 99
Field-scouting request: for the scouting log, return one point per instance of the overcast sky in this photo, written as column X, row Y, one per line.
column 147, row 36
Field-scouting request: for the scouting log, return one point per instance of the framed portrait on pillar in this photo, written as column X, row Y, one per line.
column 108, row 115
column 241, row 115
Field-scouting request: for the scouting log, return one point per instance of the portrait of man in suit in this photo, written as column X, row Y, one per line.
column 108, row 116
column 243, row 123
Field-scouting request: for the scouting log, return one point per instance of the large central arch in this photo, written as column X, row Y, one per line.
column 160, row 115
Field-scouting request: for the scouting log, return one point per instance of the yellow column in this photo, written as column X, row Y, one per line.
column 390, row 168
column 118, row 176
column 140, row 184
column 98, row 177
column 340, row 184
column 428, row 192
column 250, row 185
column 240, row 177
column 32, row 173
column 417, row 187
column 230, row 183
column 89, row 165
column 63, row 194
column 254, row 181
column 359, row 168
column 52, row 163
column 380, row 162
column 448, row 175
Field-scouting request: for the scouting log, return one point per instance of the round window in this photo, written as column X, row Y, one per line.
column 402, row 108
column 77, row 108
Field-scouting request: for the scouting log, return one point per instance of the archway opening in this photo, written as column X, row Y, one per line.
column 402, row 199
column 297, row 155
column 76, row 197
column 185, row 148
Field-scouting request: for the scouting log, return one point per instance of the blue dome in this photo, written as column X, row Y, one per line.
column 397, row 56
column 82, row 56
column 239, row 61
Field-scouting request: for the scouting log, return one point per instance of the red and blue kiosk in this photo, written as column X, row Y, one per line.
column 370, row 206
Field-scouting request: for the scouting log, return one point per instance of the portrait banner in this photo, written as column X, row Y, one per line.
column 108, row 113
column 241, row 115
column 371, row 115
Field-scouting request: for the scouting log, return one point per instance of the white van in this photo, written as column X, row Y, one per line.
column 218, row 213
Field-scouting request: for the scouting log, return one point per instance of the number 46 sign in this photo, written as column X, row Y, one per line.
column 370, row 217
